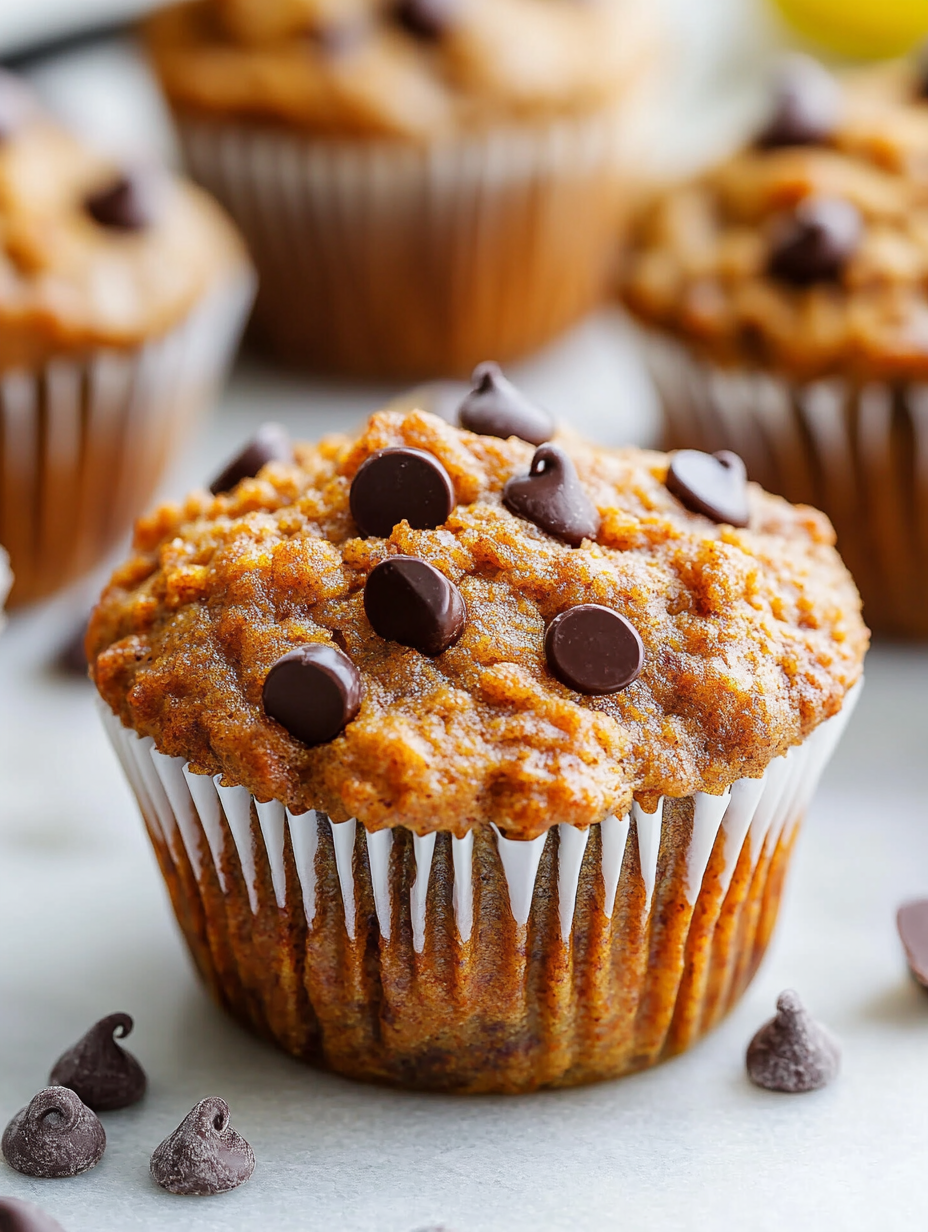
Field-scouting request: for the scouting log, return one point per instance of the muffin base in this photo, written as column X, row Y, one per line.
column 481, row 963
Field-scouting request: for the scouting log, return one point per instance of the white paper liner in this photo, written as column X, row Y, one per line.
column 85, row 440
column 198, row 819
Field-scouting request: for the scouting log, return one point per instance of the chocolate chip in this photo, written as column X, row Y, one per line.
column 552, row 496
column 912, row 922
column 593, row 649
column 54, row 1135
column 400, row 483
column 426, row 19
column 19, row 1216
column 409, row 601
column 129, row 203
column 271, row 443
column 204, row 1155
column 494, row 407
column 713, row 484
column 313, row 692
column 104, row 1075
column 806, row 104
column 815, row 242
column 792, row 1052
column 16, row 106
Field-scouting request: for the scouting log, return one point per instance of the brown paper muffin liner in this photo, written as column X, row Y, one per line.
column 387, row 259
column 858, row 452
column 84, row 440
column 476, row 963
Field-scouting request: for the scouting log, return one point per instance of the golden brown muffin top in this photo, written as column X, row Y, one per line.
column 411, row 69
column 90, row 254
column 752, row 637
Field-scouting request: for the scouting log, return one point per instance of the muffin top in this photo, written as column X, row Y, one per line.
column 561, row 635
column 92, row 254
column 411, row 69
column 805, row 252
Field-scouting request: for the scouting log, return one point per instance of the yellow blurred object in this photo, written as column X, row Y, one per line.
column 868, row 28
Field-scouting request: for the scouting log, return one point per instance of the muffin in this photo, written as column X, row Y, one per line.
column 122, row 295
column 470, row 765
column 421, row 182
column 783, row 300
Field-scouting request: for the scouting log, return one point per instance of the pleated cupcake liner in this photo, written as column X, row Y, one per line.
column 859, row 452
column 85, row 440
column 389, row 259
column 477, row 963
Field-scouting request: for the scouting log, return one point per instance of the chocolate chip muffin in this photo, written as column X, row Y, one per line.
column 474, row 764
column 122, row 293
column 421, row 182
column 784, row 299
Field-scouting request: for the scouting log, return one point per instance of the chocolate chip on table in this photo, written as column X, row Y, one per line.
column 426, row 19
column 54, row 1135
column 271, row 443
column 397, row 484
column 912, row 922
column 494, row 407
column 16, row 1215
column 815, row 241
column 713, row 484
column 313, row 692
column 594, row 649
column 792, row 1052
column 128, row 203
column 409, row 601
column 204, row 1155
column 16, row 105
column 103, row 1074
column 552, row 496
column 806, row 104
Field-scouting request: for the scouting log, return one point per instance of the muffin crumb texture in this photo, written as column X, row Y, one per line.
column 752, row 637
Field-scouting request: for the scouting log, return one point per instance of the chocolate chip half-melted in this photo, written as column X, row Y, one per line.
column 204, row 1155
column 313, row 692
column 552, row 496
column 409, row 601
column 96, row 1068
column 55, row 1135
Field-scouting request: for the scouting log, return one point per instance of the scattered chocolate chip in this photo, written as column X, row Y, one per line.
column 271, row 443
column 713, row 484
column 129, row 203
column 912, row 922
column 806, row 104
column 552, row 496
column 204, row 1155
column 400, row 483
column 792, row 1052
column 16, row 106
column 97, row 1069
column 494, row 407
column 409, row 601
column 19, row 1216
column 54, row 1135
column 815, row 242
column 426, row 19
column 593, row 649
column 313, row 692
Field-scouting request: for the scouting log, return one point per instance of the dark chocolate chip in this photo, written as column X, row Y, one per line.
column 19, row 1216
column 494, row 407
column 593, row 649
column 204, row 1155
column 806, row 104
column 128, row 203
column 271, row 443
column 426, row 19
column 713, row 484
column 409, row 601
column 313, row 692
column 552, row 496
column 16, row 105
column 815, row 241
column 912, row 922
column 792, row 1052
column 54, row 1135
column 102, row 1073
column 400, row 483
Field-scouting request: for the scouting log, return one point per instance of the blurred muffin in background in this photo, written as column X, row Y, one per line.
column 122, row 295
column 785, row 313
column 422, row 182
